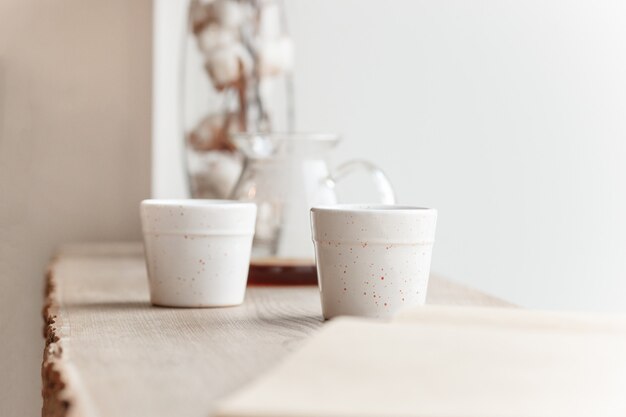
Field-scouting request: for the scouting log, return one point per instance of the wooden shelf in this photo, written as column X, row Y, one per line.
column 110, row 353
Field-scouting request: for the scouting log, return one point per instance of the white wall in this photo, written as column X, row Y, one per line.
column 74, row 155
column 507, row 116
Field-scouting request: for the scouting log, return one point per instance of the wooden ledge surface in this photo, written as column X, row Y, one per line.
column 110, row 353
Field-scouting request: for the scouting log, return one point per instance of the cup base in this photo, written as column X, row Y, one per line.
column 195, row 305
column 330, row 312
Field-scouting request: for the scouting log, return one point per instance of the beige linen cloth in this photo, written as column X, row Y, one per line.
column 449, row 362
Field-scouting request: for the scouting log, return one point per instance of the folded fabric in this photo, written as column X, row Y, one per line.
column 449, row 362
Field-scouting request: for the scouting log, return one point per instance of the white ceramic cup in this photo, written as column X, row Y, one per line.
column 197, row 251
column 372, row 260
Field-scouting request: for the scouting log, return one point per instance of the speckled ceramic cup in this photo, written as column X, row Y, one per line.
column 197, row 251
column 372, row 260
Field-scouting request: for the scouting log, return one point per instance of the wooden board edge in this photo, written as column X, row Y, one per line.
column 58, row 400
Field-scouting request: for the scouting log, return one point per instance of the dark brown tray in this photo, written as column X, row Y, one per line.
column 277, row 271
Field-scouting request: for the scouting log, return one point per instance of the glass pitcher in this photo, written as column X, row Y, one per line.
column 285, row 175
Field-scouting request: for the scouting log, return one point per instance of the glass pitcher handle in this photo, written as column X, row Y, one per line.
column 380, row 180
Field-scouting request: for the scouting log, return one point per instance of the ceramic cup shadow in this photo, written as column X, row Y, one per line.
column 197, row 251
column 372, row 260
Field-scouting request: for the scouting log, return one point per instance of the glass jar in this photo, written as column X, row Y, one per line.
column 286, row 174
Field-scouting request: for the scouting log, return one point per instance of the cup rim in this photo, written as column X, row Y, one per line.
column 389, row 209
column 194, row 202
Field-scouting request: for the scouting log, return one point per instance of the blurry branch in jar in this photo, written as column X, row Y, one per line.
column 243, row 102
column 242, row 43
column 248, row 41
column 212, row 133
column 228, row 64
column 291, row 115
column 219, row 12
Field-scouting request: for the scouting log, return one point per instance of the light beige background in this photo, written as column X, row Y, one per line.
column 74, row 154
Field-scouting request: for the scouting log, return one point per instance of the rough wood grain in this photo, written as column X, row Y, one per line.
column 109, row 353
